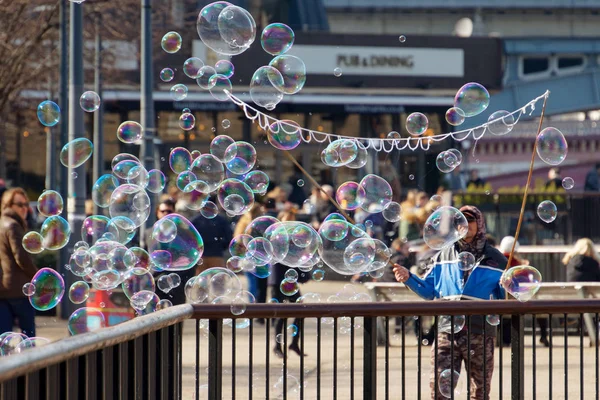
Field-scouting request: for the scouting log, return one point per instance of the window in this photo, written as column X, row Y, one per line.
column 535, row 65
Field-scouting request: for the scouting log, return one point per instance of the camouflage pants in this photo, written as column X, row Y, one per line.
column 479, row 376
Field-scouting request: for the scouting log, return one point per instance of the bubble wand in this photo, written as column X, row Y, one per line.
column 522, row 213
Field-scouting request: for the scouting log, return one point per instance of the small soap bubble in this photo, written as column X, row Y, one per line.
column 337, row 72
column 48, row 112
column 455, row 116
column 89, row 101
column 226, row 124
column 28, row 289
column 402, row 38
column 171, row 42
column 300, row 182
column 179, row 92
column 547, row 211
column 417, row 123
column 167, row 74
column 568, row 183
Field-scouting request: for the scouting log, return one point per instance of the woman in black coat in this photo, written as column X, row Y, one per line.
column 583, row 262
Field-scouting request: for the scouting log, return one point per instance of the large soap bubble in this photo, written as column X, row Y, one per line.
column 284, row 134
column 522, row 282
column 337, row 236
column 552, row 146
column 292, row 70
column 49, row 289
column 185, row 249
column 82, row 150
column 130, row 201
column 472, row 99
column 55, row 232
column 295, row 244
column 264, row 87
column 86, row 319
column 350, row 195
column 377, row 194
column 230, row 32
column 235, row 196
column 208, row 169
column 277, row 38
column 444, row 227
column 211, row 284
column 501, row 122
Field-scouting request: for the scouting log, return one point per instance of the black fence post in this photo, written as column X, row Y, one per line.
column 370, row 358
column 215, row 349
column 517, row 357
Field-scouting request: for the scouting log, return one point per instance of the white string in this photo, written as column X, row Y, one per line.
column 386, row 144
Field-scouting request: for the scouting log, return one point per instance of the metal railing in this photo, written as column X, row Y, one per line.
column 150, row 358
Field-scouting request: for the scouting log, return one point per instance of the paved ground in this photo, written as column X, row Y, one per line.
column 409, row 383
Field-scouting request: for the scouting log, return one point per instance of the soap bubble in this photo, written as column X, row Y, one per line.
column 284, row 135
column 501, row 122
column 89, row 101
column 337, row 72
column 292, row 70
column 264, row 87
column 79, row 292
column 211, row 284
column 318, row 275
column 466, row 261
column 240, row 204
column 167, row 74
column 123, row 157
column 226, row 123
column 156, row 181
column 206, row 73
column 55, row 232
column 392, row 212
column 277, row 38
column 337, row 236
column 289, row 288
column 237, row 28
column 360, row 253
column 187, row 121
column 258, row 181
column 209, row 171
column 300, row 182
column 444, row 227
column 179, row 92
column 447, row 378
column 225, row 68
column 377, row 193
column 220, row 85
column 552, row 146
column 103, row 189
column 239, row 303
column 48, row 112
column 238, row 246
column 472, row 99
column 209, row 210
column 185, row 249
column 402, row 38
column 164, row 303
column 295, row 244
column 191, row 67
column 453, row 157
column 362, row 156
column 164, row 230
column 220, row 148
column 417, row 123
column 49, row 289
column 259, row 225
column 130, row 132
column 28, row 289
column 547, row 211
column 136, row 280
column 32, row 242
column 493, row 320
column 522, row 282
column 568, row 183
column 130, row 201
column 450, row 324
column 171, row 42
column 243, row 160
column 350, row 195
column 455, row 116
column 180, row 160
column 86, row 319
column 81, row 148
column 441, row 163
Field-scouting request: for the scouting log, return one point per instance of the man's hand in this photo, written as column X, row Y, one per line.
column 401, row 273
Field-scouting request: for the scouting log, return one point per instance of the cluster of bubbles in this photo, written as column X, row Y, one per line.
column 55, row 231
column 448, row 160
column 16, row 342
column 345, row 153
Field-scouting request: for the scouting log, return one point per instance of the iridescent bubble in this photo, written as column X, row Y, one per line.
column 156, row 181
column 394, row 135
column 238, row 247
column 28, row 289
column 167, row 74
column 264, row 87
column 93, row 228
column 244, row 157
column 450, row 159
column 337, row 236
column 258, row 181
column 130, row 132
column 552, row 146
column 210, row 171
column 472, row 99
column 243, row 200
column 206, row 73
column 293, row 71
column 455, row 116
column 171, row 42
column 49, row 289
column 180, row 160
column 187, row 121
column 179, row 92
column 350, row 195
column 295, row 244
column 288, row 288
column 302, row 236
column 136, row 280
column 191, row 67
column 341, row 152
column 441, row 163
column 362, row 156
column 138, row 176
column 89, row 101
column 337, row 72
column 284, row 135
column 220, row 86
column 130, row 201
column 547, row 211
column 501, row 122
column 122, row 228
column 300, row 182
column 360, row 254
column 260, row 251
column 209, row 210
column 103, row 189
column 458, row 157
column 86, row 319
column 79, row 292
column 259, row 225
column 493, row 320
column 220, row 147
column 522, row 282
column 417, row 123
column 48, row 112
column 378, row 193
column 277, row 39
column 225, row 68
column 444, row 227
column 82, row 150
column 55, row 233
column 164, row 283
column 318, row 275
column 123, row 157
column 466, row 261
column 226, row 123
column 392, row 212
column 164, row 230
column 211, row 284
column 10, row 342
column 184, row 180
column 568, row 183
column 447, row 379
column 186, row 248
column 33, row 242
column 142, row 258
column 237, row 28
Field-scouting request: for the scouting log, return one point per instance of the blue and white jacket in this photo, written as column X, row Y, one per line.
column 446, row 280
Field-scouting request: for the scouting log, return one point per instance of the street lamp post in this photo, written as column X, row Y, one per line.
column 99, row 114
